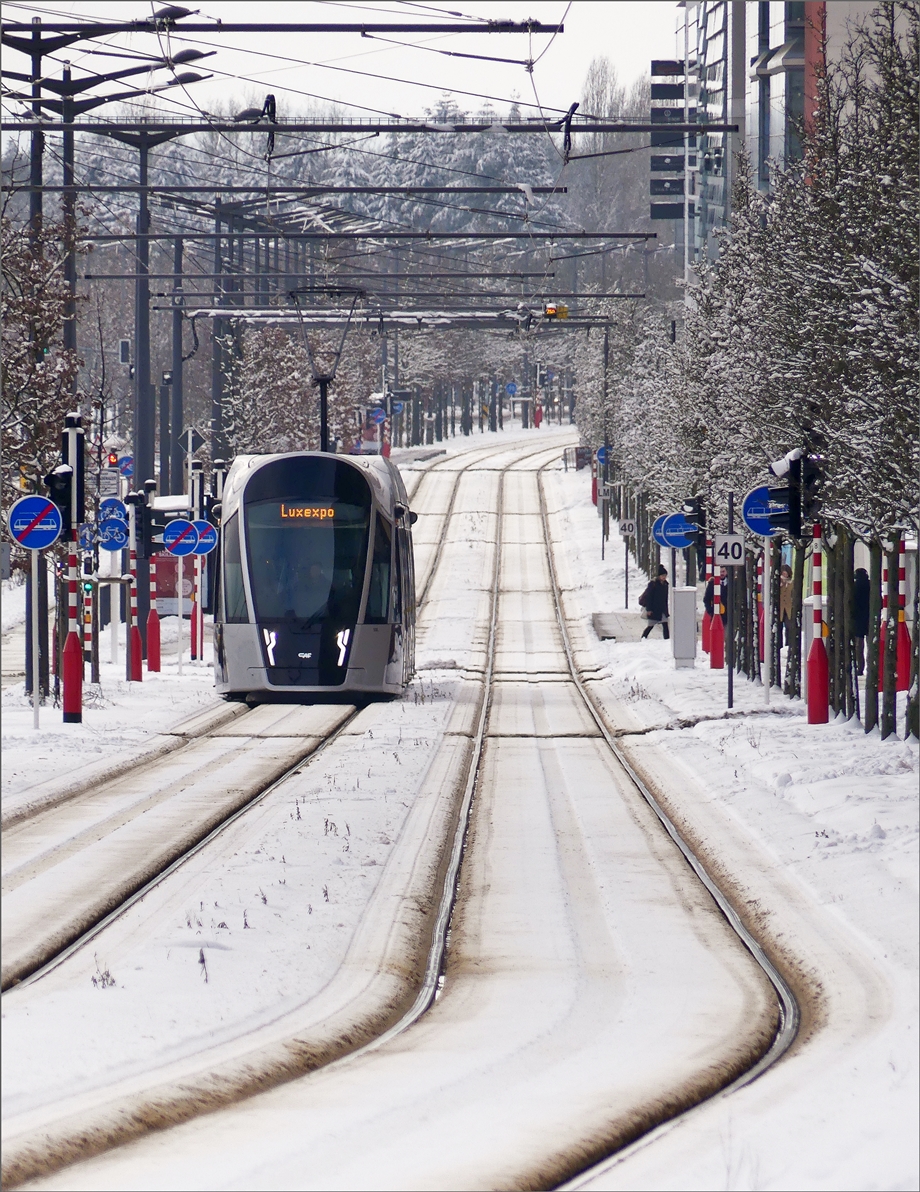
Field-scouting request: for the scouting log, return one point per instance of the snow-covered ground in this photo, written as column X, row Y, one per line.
column 817, row 822
column 813, row 827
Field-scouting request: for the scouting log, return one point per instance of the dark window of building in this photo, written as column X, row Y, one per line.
column 763, row 129
column 795, row 112
column 763, row 26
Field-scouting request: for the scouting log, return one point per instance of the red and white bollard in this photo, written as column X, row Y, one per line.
column 134, row 654
column 716, row 627
column 884, row 620
column 760, row 559
column 818, row 670
column 73, row 650
column 87, row 631
column 903, row 666
column 153, row 622
column 708, row 573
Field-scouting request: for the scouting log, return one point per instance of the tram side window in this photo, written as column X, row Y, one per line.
column 235, row 611
column 378, row 597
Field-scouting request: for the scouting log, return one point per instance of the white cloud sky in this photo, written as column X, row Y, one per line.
column 630, row 34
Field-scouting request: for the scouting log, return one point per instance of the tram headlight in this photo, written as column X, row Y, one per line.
column 341, row 640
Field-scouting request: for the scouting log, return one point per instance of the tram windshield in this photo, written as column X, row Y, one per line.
column 307, row 553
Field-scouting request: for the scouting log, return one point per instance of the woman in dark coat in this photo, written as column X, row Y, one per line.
column 655, row 602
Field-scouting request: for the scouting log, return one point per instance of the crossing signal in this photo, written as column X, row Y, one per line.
column 811, row 481
column 802, row 494
column 695, row 513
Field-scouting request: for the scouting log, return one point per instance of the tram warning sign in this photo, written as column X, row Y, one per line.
column 180, row 537
column 35, row 522
column 729, row 550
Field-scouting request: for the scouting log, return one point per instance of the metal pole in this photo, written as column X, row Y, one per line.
column 731, row 609
column 165, row 468
column 68, row 206
column 324, row 413
column 768, row 617
column 36, row 692
column 178, row 559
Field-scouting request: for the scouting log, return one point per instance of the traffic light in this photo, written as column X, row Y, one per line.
column 59, row 483
column 112, row 459
column 695, row 513
column 811, row 480
column 550, row 309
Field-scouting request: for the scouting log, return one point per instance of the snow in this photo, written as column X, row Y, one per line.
column 541, row 1038
column 13, row 604
column 120, row 719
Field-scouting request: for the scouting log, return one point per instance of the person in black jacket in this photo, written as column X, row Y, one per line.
column 860, row 615
column 655, row 602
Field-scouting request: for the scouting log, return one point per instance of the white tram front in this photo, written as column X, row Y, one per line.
column 316, row 584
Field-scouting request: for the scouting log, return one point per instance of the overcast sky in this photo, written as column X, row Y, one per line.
column 296, row 66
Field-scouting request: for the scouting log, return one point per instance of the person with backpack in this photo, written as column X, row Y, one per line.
column 655, row 602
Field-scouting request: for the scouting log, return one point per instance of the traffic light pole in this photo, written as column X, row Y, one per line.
column 73, row 650
column 730, row 601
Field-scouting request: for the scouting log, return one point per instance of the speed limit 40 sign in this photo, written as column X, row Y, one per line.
column 729, row 550
column 628, row 528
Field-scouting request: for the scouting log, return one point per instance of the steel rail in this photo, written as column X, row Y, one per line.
column 787, row 1004
column 431, row 981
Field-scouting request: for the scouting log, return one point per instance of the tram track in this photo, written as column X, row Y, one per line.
column 282, row 1060
column 496, row 1040
column 52, row 827
column 789, row 1013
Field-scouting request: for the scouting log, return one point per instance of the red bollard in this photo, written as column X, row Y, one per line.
column 73, row 680
column 716, row 643
column 818, row 682
column 194, row 626
column 707, row 632
column 818, row 670
column 137, row 655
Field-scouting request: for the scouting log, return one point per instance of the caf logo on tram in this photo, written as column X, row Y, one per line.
column 316, row 580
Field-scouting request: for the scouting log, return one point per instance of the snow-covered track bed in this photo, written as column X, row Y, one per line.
column 591, row 987
column 67, row 867
column 368, row 979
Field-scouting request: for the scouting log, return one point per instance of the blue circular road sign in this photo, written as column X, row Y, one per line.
column 180, row 537
column 511, row 388
column 87, row 536
column 656, row 529
column 378, row 416
column 113, row 534
column 601, row 454
column 758, row 512
column 126, row 465
column 35, row 522
column 207, row 537
column 112, row 507
column 676, row 532
column 398, row 407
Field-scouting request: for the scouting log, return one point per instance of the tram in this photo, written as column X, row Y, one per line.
column 315, row 594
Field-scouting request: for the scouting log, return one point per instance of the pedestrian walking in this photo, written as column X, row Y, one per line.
column 785, row 604
column 654, row 600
